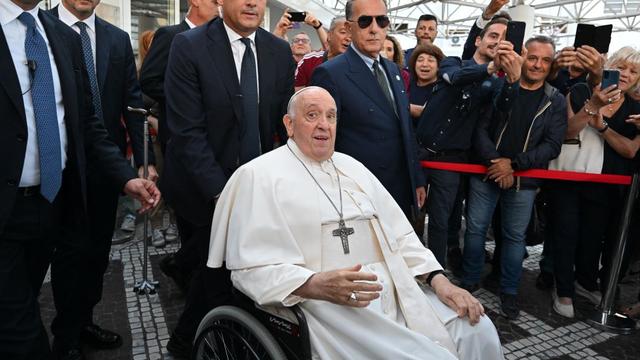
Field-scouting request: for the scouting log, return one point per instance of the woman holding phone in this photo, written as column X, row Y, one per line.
column 590, row 212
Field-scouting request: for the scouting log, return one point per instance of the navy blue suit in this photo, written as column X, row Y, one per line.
column 118, row 86
column 368, row 127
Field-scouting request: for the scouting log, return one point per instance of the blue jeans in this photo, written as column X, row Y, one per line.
column 443, row 190
column 516, row 213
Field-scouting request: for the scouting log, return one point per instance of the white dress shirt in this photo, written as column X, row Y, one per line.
column 238, row 48
column 15, row 33
column 191, row 25
column 68, row 18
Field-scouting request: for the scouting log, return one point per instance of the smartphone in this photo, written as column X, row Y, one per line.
column 297, row 16
column 515, row 35
column 610, row 77
column 603, row 38
column 585, row 35
column 598, row 37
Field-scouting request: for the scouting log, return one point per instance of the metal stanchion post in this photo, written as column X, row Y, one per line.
column 605, row 317
column 145, row 286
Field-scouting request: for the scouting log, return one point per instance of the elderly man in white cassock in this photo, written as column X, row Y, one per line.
column 306, row 225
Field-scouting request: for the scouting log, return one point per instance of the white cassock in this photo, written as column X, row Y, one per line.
column 273, row 227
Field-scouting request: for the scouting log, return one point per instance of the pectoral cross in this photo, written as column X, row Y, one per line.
column 343, row 231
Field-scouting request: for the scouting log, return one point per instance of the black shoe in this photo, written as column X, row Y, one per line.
column 179, row 346
column 99, row 338
column 169, row 266
column 471, row 288
column 509, row 306
column 545, row 280
column 70, row 354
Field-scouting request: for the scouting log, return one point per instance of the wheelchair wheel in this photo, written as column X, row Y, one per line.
column 228, row 332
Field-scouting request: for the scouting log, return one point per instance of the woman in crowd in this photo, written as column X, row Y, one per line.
column 392, row 50
column 423, row 65
column 590, row 212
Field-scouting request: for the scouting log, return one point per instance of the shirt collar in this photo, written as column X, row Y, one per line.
column 191, row 25
column 234, row 36
column 367, row 60
column 9, row 11
column 68, row 18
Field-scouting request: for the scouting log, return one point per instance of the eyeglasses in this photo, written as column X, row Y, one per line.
column 365, row 21
column 301, row 41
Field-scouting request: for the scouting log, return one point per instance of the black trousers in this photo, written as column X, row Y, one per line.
column 208, row 288
column 79, row 265
column 585, row 220
column 26, row 245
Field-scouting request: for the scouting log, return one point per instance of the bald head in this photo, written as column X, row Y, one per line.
column 311, row 122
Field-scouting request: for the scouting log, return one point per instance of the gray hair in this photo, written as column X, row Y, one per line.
column 291, row 106
column 542, row 40
column 335, row 22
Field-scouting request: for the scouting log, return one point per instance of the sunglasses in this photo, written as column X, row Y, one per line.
column 365, row 21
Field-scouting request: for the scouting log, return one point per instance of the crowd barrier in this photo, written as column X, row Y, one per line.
column 604, row 316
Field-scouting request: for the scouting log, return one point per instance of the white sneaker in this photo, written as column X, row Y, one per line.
column 128, row 223
column 594, row 297
column 565, row 310
column 171, row 234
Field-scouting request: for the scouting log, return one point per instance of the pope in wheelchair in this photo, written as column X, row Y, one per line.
column 305, row 225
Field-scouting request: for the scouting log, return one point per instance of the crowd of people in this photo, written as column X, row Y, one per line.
column 247, row 121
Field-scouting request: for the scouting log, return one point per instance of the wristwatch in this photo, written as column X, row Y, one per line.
column 319, row 25
column 606, row 126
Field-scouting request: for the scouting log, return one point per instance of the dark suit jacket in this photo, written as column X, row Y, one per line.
column 87, row 138
column 119, row 88
column 369, row 129
column 204, row 113
column 153, row 69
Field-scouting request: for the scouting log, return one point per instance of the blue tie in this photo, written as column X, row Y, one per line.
column 250, row 141
column 44, row 108
column 87, row 51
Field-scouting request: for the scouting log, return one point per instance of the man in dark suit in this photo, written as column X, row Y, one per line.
column 111, row 68
column 227, row 86
column 374, row 124
column 155, row 63
column 179, row 265
column 49, row 135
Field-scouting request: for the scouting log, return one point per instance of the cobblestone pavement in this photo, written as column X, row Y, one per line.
column 146, row 321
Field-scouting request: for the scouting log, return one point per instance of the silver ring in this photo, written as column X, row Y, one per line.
column 610, row 100
column 353, row 296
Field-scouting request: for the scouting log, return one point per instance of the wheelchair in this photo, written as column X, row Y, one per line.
column 246, row 331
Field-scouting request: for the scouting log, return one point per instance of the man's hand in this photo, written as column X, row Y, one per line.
column 283, row 25
column 458, row 299
column 590, row 59
column 506, row 182
column 500, row 168
column 493, row 7
column 421, row 195
column 510, row 62
column 566, row 57
column 311, row 20
column 153, row 173
column 144, row 191
column 336, row 286
column 635, row 120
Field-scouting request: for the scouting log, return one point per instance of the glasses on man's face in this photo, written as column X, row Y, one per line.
column 302, row 41
column 365, row 21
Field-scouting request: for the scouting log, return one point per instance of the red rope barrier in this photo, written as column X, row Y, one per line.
column 533, row 173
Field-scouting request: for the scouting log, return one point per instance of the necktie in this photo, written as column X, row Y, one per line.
column 384, row 85
column 44, row 109
column 87, row 53
column 250, row 141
